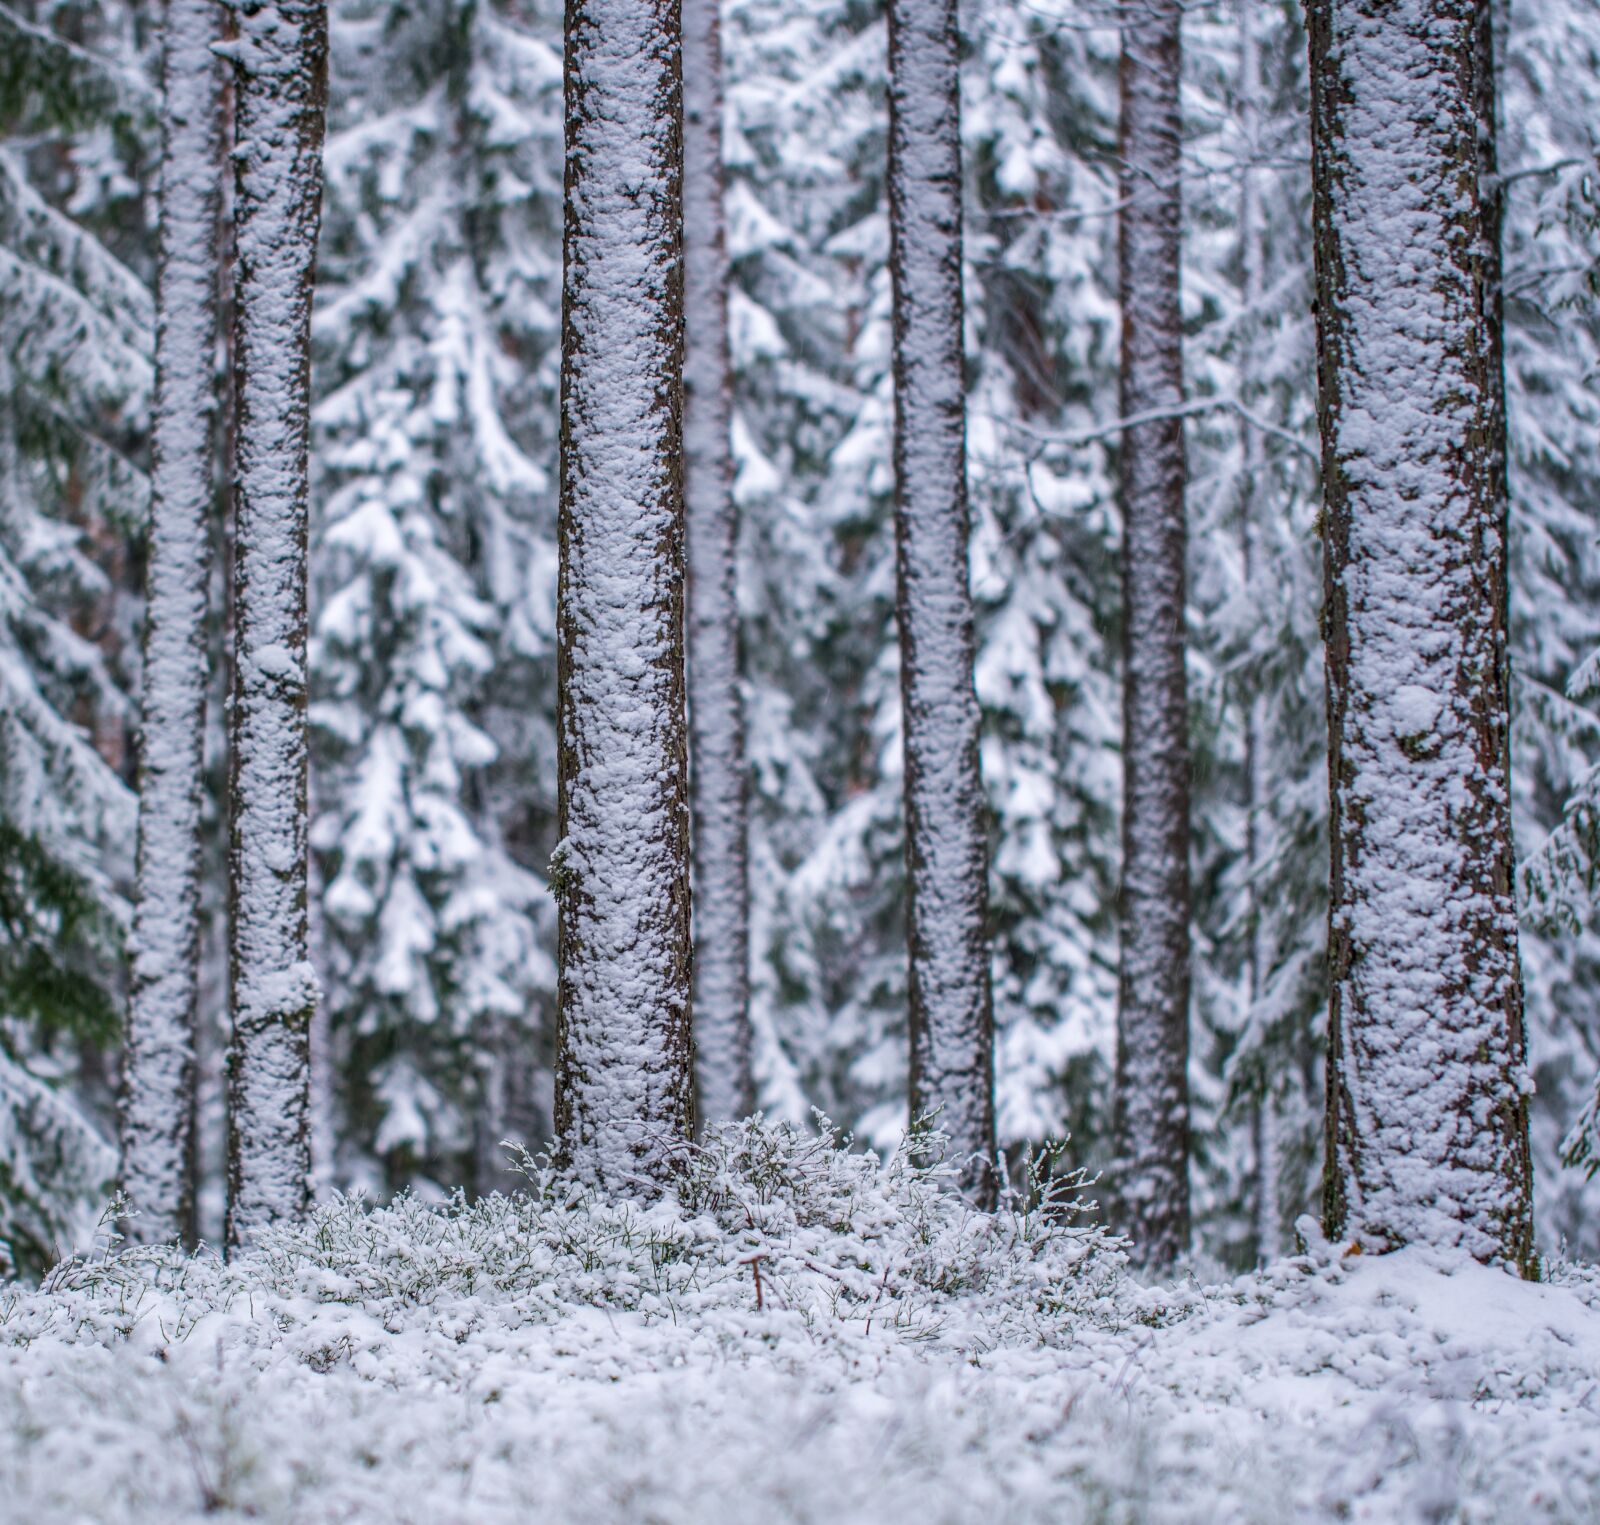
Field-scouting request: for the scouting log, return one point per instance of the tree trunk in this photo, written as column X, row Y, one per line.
column 624, row 1085
column 1152, row 1098
column 158, row 1066
column 280, row 56
column 716, row 724
column 1257, row 741
column 947, row 850
column 1427, row 1093
column 1491, row 212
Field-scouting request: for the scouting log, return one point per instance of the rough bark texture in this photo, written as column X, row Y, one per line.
column 158, row 1065
column 624, row 1088
column 1427, row 1092
column 1491, row 214
column 280, row 58
column 716, row 724
column 947, row 860
column 1152, row 1100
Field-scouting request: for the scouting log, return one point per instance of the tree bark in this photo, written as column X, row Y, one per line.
column 624, row 1085
column 280, row 59
column 947, row 850
column 1151, row 1123
column 1427, row 1092
column 158, row 1066
column 716, row 722
column 1257, row 760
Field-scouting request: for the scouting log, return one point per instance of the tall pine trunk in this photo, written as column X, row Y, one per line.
column 1151, row 1123
column 947, row 850
column 716, row 724
column 1491, row 213
column 158, row 1067
column 1257, row 759
column 624, row 1087
column 1427, row 1092
column 280, row 57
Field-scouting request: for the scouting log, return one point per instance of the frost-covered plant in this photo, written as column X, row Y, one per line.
column 772, row 1234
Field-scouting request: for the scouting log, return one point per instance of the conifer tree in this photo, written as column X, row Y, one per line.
column 1152, row 1105
column 280, row 62
column 716, row 722
column 436, row 347
column 75, row 384
column 812, row 345
column 1259, row 800
column 624, row 1085
column 1427, row 1094
column 947, row 850
column 157, row 1113
column 1548, row 86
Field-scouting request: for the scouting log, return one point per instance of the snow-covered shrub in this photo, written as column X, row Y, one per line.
column 550, row 1355
column 773, row 1233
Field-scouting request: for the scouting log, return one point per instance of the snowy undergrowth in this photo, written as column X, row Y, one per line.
column 554, row 1356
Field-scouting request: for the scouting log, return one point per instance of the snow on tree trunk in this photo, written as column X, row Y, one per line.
column 280, row 56
column 624, row 1085
column 158, row 1065
column 1258, row 773
column 1427, row 1092
column 716, row 726
column 947, row 861
column 1151, row 1122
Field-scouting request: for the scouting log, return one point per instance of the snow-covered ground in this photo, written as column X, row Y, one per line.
column 555, row 1358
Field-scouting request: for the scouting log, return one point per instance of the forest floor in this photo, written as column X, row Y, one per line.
column 554, row 1357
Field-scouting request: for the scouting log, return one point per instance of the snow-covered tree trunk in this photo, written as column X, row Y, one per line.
column 1427, row 1092
column 624, row 1082
column 947, row 850
column 716, row 725
column 280, row 58
column 1257, row 742
column 158, row 1064
column 1152, row 1100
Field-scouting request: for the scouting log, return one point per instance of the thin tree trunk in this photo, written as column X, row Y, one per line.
column 1257, row 769
column 624, row 1084
column 1427, row 1093
column 947, row 850
column 280, row 58
column 1152, row 1097
column 158, row 1066
column 1491, row 211
column 716, row 723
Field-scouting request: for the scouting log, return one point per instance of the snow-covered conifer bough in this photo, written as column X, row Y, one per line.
column 1151, row 1124
column 280, row 63
column 157, row 1105
column 624, row 1085
column 716, row 724
column 947, row 851
column 1427, row 1086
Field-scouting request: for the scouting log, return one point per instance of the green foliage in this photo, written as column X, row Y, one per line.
column 58, row 946
column 51, row 84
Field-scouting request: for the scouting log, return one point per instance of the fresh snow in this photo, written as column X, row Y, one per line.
column 556, row 1356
